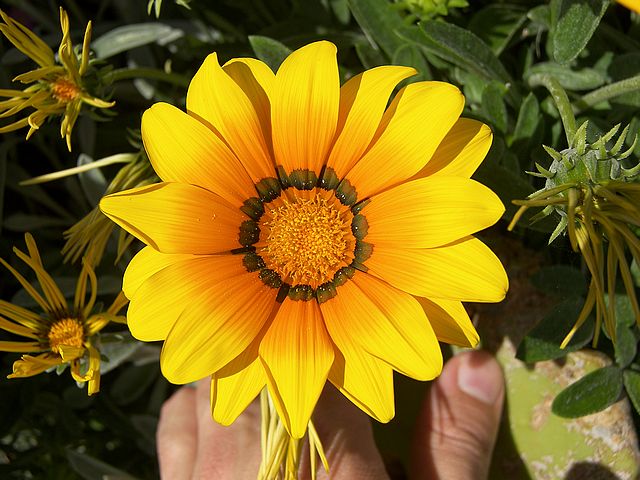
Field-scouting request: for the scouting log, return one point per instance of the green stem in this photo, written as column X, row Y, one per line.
column 561, row 100
column 150, row 73
column 605, row 93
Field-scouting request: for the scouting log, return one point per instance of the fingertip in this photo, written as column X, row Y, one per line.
column 460, row 416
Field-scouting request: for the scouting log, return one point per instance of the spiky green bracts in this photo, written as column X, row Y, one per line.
column 597, row 201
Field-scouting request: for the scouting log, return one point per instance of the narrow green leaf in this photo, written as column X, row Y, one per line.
column 369, row 56
column 560, row 280
column 463, row 48
column 543, row 342
column 133, row 382
column 380, row 22
column 91, row 468
column 493, row 105
column 25, row 222
column 270, row 51
column 496, row 25
column 625, row 345
column 528, row 118
column 591, row 394
column 410, row 56
column 125, row 38
column 575, row 23
column 584, row 79
column 635, row 272
column 632, row 386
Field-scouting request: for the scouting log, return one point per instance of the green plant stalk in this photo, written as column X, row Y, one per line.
column 605, row 93
column 561, row 100
column 148, row 73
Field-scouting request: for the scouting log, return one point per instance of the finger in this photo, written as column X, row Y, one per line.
column 347, row 438
column 231, row 452
column 457, row 428
column 176, row 436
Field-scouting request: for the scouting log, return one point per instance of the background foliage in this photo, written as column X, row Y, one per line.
column 498, row 52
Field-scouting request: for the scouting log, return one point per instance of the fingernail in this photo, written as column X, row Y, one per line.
column 480, row 376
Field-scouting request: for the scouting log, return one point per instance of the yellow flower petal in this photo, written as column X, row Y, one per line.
column 176, row 218
column 430, row 212
column 218, row 325
column 466, row 270
column 28, row 366
column 304, row 110
column 235, row 386
column 462, row 150
column 363, row 379
column 385, row 322
column 298, row 354
column 22, row 347
column 410, row 131
column 218, row 100
column 144, row 264
column 182, row 149
column 167, row 293
column 257, row 80
column 450, row 322
column 363, row 100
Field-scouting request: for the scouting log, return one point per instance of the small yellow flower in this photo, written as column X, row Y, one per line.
column 61, row 334
column 55, row 88
column 306, row 232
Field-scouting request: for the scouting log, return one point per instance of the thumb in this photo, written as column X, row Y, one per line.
column 459, row 421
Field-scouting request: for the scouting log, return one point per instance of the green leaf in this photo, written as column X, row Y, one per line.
column 369, row 57
column 527, row 123
column 632, row 386
column 91, row 468
column 133, row 382
column 380, row 22
column 410, row 56
column 625, row 345
column 270, row 51
column 543, row 342
column 125, row 38
column 584, row 79
column 560, row 280
column 635, row 272
column 575, row 23
column 25, row 222
column 497, row 24
column 493, row 105
column 624, row 310
column 463, row 48
column 591, row 394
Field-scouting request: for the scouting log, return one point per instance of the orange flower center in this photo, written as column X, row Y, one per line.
column 305, row 236
column 65, row 90
column 68, row 332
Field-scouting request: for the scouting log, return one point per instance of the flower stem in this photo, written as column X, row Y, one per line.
column 561, row 100
column 150, row 73
column 605, row 93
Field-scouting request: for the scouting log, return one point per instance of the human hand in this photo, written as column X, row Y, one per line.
column 454, row 437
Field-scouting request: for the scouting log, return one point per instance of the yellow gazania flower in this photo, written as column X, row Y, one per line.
column 61, row 334
column 633, row 5
column 304, row 232
column 56, row 88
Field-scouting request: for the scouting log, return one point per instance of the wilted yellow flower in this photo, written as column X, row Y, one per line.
column 55, row 88
column 61, row 334
column 305, row 232
column 597, row 202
